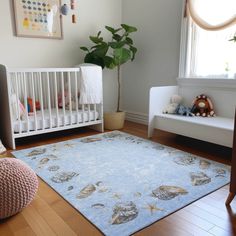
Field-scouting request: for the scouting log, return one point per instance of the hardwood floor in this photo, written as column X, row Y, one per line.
column 49, row 214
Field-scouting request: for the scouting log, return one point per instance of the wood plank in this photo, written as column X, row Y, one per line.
column 215, row 220
column 187, row 226
column 27, row 231
column 195, row 220
column 36, row 222
column 163, row 228
column 5, row 230
column 220, row 232
column 17, row 222
column 211, row 209
column 57, row 224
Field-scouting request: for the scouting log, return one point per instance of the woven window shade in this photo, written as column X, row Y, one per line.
column 194, row 8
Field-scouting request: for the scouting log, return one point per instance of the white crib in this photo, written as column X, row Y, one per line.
column 45, row 113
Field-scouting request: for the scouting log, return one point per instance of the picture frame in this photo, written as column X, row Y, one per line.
column 38, row 18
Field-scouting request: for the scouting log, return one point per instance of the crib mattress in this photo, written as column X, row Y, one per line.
column 62, row 120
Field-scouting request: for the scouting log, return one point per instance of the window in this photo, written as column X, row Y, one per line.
column 209, row 53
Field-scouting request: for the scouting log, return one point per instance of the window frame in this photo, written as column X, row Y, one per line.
column 185, row 53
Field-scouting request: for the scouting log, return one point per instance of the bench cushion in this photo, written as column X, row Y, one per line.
column 217, row 130
column 217, row 122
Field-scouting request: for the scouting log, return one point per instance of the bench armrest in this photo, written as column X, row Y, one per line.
column 159, row 97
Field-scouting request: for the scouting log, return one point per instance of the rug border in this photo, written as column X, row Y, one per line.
column 144, row 226
column 133, row 136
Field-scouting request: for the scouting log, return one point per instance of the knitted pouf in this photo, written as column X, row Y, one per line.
column 18, row 186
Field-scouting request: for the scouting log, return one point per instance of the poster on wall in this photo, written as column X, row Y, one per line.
column 38, row 18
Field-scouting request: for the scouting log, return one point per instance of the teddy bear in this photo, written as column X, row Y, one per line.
column 202, row 106
column 175, row 100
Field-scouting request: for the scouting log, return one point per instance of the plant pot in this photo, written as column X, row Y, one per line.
column 114, row 120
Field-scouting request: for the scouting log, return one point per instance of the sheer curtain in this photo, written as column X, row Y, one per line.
column 214, row 23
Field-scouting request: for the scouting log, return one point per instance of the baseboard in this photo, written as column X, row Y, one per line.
column 137, row 117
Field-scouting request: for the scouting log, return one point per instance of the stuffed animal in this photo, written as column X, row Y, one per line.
column 30, row 105
column 183, row 110
column 67, row 100
column 202, row 106
column 175, row 100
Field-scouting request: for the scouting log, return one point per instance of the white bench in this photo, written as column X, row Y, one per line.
column 218, row 130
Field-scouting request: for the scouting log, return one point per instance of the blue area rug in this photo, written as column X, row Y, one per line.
column 122, row 183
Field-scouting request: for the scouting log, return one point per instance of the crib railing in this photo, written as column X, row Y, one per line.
column 43, row 100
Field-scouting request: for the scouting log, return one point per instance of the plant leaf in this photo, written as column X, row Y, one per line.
column 112, row 30
column 133, row 50
column 129, row 41
column 92, row 58
column 117, row 37
column 96, row 39
column 99, row 33
column 119, row 44
column 128, row 28
column 84, row 49
column 101, row 50
column 109, row 62
column 121, row 55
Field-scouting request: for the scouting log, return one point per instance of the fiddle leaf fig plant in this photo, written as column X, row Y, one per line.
column 113, row 53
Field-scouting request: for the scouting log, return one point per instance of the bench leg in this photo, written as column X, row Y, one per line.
column 230, row 198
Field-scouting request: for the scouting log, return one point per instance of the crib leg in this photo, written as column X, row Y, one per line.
column 98, row 127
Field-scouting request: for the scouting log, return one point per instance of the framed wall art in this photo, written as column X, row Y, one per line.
column 38, row 18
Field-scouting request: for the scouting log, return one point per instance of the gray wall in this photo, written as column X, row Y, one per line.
column 158, row 43
column 93, row 15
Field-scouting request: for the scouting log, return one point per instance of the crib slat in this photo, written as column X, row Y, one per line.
column 89, row 116
column 83, row 110
column 95, row 111
column 41, row 99
column 49, row 100
column 18, row 115
column 63, row 98
column 69, row 91
column 25, row 101
column 76, row 98
column 56, row 98
column 34, row 100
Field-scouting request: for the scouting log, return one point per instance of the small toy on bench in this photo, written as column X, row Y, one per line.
column 175, row 107
column 183, row 111
column 175, row 100
column 202, row 106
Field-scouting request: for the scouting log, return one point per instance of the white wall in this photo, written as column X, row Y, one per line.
column 158, row 41
column 93, row 15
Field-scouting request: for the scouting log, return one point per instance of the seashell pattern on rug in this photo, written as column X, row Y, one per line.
column 53, row 168
column 37, row 152
column 166, row 192
column 204, row 164
column 220, row 172
column 124, row 212
column 70, row 188
column 185, row 160
column 199, row 178
column 98, row 206
column 63, row 177
column 86, row 191
column 90, row 140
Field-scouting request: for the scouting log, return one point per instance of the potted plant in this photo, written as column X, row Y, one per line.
column 112, row 54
